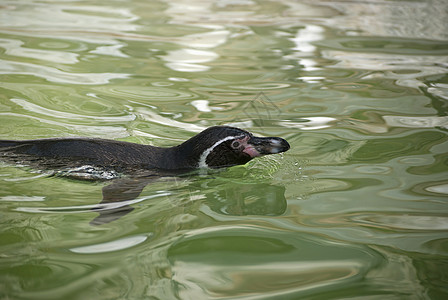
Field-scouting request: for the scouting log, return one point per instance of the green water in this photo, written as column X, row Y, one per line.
column 358, row 208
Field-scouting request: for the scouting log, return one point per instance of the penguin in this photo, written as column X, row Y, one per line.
column 215, row 147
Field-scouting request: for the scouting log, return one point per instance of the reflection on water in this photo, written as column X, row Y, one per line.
column 111, row 246
column 358, row 88
column 238, row 261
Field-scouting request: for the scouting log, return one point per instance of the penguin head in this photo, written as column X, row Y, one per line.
column 224, row 146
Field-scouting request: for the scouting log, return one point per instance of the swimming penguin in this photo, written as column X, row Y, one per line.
column 215, row 147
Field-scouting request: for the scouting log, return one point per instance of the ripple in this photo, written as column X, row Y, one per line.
column 416, row 122
column 69, row 17
column 42, row 174
column 31, row 107
column 89, row 208
column 310, row 123
column 260, row 262
column 187, row 60
column 414, row 161
column 206, row 40
column 186, row 67
column 89, row 173
column 112, row 50
column 387, row 45
column 54, row 75
column 22, row 198
column 14, row 48
column 148, row 93
column 151, row 116
column 368, row 169
column 111, row 246
column 262, row 86
column 440, row 189
column 391, row 66
column 94, row 130
column 403, row 221
column 203, row 106
column 439, row 90
column 71, row 276
column 55, row 45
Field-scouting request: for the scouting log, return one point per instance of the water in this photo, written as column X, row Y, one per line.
column 356, row 209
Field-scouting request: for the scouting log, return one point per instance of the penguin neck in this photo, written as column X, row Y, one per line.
column 174, row 158
column 185, row 155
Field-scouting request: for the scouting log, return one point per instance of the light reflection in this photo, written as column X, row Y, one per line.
column 203, row 106
column 417, row 121
column 262, row 86
column 69, row 17
column 229, row 30
column 187, row 60
column 403, row 222
column 374, row 169
column 146, row 95
column 439, row 90
column 440, row 189
column 95, row 130
column 112, row 50
column 391, row 19
column 22, row 198
column 310, row 79
column 205, row 40
column 279, row 279
column 387, row 64
column 111, row 246
column 91, row 207
column 34, row 108
column 151, row 116
column 310, row 123
column 56, row 75
column 187, row 67
column 304, row 46
column 258, row 261
column 15, row 48
column 41, row 174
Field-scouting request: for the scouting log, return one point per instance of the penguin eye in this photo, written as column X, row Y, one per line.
column 235, row 144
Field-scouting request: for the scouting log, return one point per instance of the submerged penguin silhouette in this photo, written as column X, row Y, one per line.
column 215, row 147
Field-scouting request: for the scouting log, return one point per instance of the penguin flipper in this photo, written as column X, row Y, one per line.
column 119, row 191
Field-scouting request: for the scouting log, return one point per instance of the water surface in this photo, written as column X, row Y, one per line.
column 356, row 209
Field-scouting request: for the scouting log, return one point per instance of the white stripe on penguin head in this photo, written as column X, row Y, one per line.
column 204, row 155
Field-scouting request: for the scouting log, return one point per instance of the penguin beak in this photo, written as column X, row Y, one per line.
column 258, row 146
